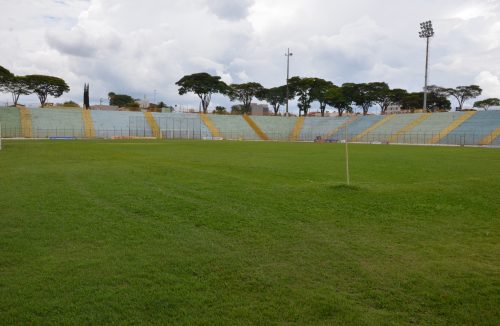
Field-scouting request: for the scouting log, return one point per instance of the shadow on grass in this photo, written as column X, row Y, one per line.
column 344, row 187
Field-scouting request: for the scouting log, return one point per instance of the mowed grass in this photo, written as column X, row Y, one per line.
column 214, row 233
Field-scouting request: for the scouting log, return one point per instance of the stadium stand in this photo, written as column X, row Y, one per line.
column 297, row 128
column 496, row 141
column 429, row 128
column 415, row 122
column 88, row 124
column 450, row 128
column 109, row 124
column 276, row 128
column 455, row 124
column 233, row 127
column 262, row 135
column 358, row 126
column 10, row 118
column 153, row 125
column 391, row 127
column 183, row 125
column 56, row 123
column 490, row 138
column 473, row 130
column 319, row 127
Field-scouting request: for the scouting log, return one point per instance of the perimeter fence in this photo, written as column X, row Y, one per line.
column 195, row 129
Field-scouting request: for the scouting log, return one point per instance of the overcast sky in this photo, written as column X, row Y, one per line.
column 135, row 47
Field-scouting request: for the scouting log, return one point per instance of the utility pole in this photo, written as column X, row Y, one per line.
column 154, row 97
column 426, row 32
column 287, row 54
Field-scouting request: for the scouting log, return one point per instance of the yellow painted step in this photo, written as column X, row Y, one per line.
column 409, row 127
column 491, row 137
column 155, row 129
column 210, row 125
column 336, row 129
column 386, row 119
column 262, row 135
column 88, row 124
column 26, row 124
column 454, row 125
column 296, row 129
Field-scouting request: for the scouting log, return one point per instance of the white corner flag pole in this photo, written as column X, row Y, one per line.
column 347, row 155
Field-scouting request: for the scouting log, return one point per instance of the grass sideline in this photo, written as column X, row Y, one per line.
column 188, row 232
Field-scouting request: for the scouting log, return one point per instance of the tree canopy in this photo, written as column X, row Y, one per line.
column 245, row 93
column 276, row 96
column 43, row 86
column 120, row 100
column 487, row 103
column 337, row 98
column 302, row 88
column 5, row 73
column 203, row 85
column 363, row 95
column 16, row 86
column 460, row 93
column 318, row 93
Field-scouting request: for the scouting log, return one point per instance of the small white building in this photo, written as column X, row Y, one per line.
column 393, row 109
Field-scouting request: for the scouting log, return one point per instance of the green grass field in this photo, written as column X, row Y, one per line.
column 210, row 233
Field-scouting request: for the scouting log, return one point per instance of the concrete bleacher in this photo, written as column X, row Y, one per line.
column 473, row 130
column 11, row 122
column 56, row 123
column 432, row 126
column 233, row 127
column 316, row 126
column 181, row 125
column 496, row 141
column 453, row 128
column 276, row 128
column 390, row 129
column 359, row 125
column 108, row 124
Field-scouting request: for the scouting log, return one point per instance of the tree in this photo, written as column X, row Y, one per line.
column 487, row 103
column 363, row 95
column 460, row 93
column 337, row 98
column 220, row 110
column 16, row 86
column 382, row 95
column 86, row 99
column 276, row 96
column 5, row 75
column 302, row 87
column 437, row 102
column 245, row 93
column 397, row 95
column 43, row 86
column 203, row 85
column 318, row 92
column 411, row 101
column 120, row 100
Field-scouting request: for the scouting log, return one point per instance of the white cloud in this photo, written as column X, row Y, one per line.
column 136, row 47
column 490, row 84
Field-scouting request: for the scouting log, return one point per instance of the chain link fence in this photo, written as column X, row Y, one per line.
column 194, row 129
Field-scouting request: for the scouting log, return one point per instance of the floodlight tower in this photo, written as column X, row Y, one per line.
column 426, row 32
column 288, row 55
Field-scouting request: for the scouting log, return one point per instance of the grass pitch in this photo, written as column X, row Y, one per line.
column 95, row 232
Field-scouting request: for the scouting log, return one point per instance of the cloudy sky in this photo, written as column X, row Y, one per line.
column 136, row 47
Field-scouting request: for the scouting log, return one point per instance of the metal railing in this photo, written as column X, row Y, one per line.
column 196, row 131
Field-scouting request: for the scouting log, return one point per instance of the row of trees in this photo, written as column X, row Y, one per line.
column 342, row 98
column 41, row 85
